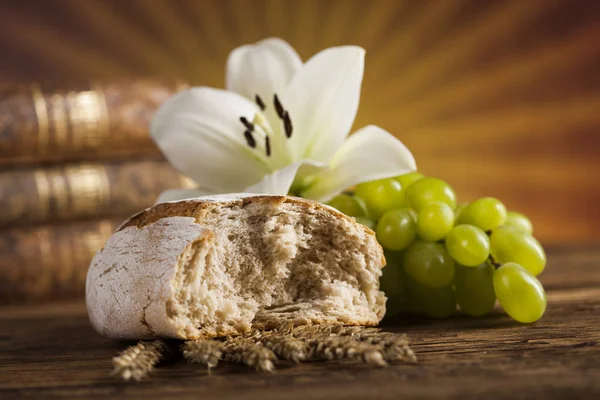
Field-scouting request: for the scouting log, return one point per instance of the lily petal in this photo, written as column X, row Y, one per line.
column 322, row 100
column 369, row 154
column 200, row 133
column 182, row 194
column 280, row 181
column 262, row 69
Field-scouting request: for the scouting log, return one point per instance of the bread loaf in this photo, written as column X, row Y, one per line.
column 222, row 265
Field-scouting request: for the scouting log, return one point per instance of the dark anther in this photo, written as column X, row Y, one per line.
column 250, row 139
column 287, row 124
column 268, row 145
column 259, row 102
column 247, row 124
column 278, row 106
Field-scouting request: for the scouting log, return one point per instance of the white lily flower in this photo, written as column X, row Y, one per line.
column 281, row 125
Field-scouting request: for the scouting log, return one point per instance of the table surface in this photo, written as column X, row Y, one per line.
column 51, row 351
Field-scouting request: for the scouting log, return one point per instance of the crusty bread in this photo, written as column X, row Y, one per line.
column 221, row 265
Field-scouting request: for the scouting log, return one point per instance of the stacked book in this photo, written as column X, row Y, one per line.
column 74, row 163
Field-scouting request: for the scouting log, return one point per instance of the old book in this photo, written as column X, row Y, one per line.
column 71, row 191
column 43, row 123
column 49, row 261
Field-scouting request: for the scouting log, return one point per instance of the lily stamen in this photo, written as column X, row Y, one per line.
column 259, row 102
column 247, row 124
column 250, row 139
column 278, row 106
column 287, row 124
column 260, row 127
column 268, row 146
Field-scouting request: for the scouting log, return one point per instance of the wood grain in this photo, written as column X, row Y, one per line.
column 51, row 351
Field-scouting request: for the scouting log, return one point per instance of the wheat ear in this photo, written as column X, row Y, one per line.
column 137, row 361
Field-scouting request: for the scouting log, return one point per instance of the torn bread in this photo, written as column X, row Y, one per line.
column 221, row 265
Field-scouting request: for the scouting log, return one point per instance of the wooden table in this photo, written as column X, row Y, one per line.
column 51, row 351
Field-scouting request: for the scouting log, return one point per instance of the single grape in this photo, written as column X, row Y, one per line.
column 519, row 293
column 468, row 245
column 429, row 264
column 486, row 213
column 439, row 303
column 397, row 229
column 475, row 289
column 519, row 221
column 380, row 196
column 434, row 221
column 429, row 190
column 348, row 205
column 408, row 179
column 393, row 279
column 509, row 244
column 368, row 222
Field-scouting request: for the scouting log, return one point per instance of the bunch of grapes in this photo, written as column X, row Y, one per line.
column 441, row 255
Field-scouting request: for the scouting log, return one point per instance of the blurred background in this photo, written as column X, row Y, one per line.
column 499, row 98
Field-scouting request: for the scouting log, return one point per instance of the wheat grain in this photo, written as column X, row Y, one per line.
column 137, row 361
column 243, row 350
column 202, row 351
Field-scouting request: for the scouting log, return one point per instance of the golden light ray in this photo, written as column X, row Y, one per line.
column 182, row 41
column 517, row 122
column 498, row 22
column 66, row 53
column 396, row 49
column 303, row 27
column 276, row 22
column 130, row 42
column 379, row 14
column 245, row 21
column 211, row 69
column 534, row 170
column 519, row 69
column 336, row 34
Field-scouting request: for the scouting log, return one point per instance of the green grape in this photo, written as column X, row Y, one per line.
column 429, row 264
column 429, row 190
column 347, row 204
column 397, row 229
column 486, row 213
column 509, row 244
column 519, row 221
column 458, row 212
column 439, row 303
column 380, row 196
column 393, row 279
column 368, row 222
column 468, row 245
column 434, row 221
column 519, row 293
column 408, row 179
column 475, row 289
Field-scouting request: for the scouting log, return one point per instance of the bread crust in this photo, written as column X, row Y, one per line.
column 198, row 207
column 133, row 304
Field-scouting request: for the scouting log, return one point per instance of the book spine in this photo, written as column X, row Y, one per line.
column 50, row 261
column 42, row 123
column 72, row 191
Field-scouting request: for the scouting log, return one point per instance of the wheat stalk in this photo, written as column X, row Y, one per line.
column 393, row 346
column 286, row 347
column 243, row 350
column 137, row 361
column 202, row 351
column 326, row 347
